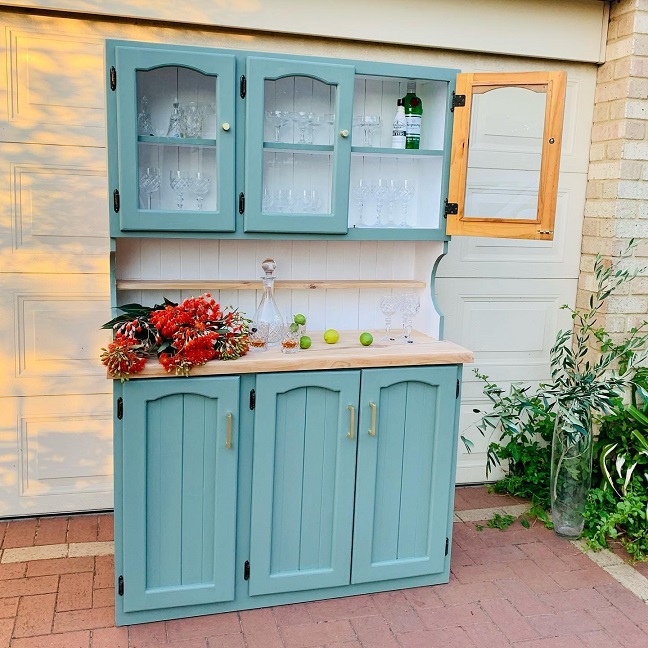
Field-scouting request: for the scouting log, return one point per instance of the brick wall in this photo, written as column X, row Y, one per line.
column 616, row 208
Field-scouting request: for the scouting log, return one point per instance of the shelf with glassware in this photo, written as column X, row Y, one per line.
column 174, row 111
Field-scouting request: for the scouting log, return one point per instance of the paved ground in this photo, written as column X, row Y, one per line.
column 521, row 587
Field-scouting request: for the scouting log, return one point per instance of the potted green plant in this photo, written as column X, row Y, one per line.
column 585, row 381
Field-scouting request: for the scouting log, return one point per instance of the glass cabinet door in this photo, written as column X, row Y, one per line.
column 298, row 146
column 175, row 132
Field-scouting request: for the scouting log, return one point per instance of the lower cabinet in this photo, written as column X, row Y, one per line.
column 236, row 492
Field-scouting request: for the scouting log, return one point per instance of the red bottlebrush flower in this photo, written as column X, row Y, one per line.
column 122, row 359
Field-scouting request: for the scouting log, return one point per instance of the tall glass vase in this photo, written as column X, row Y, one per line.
column 571, row 472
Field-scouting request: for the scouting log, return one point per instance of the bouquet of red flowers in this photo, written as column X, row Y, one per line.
column 182, row 336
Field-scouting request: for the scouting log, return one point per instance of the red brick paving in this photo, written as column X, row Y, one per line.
column 525, row 588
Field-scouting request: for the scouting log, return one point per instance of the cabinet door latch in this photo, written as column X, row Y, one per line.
column 246, row 570
column 447, row 546
column 243, row 87
column 241, row 203
column 120, row 408
column 120, row 586
column 457, row 392
column 116, row 201
column 458, row 101
column 450, row 208
column 113, row 78
column 252, row 399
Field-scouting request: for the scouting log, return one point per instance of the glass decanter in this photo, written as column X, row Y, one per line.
column 144, row 121
column 268, row 311
column 176, row 121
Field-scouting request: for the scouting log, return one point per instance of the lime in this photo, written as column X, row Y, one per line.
column 304, row 342
column 331, row 336
column 366, row 339
column 300, row 319
column 294, row 328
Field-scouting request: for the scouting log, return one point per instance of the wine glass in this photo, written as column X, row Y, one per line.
column 409, row 305
column 149, row 182
column 406, row 193
column 392, row 195
column 369, row 125
column 179, row 184
column 286, row 201
column 199, row 184
column 303, row 120
column 360, row 193
column 381, row 190
column 193, row 119
column 268, row 200
column 389, row 305
column 277, row 119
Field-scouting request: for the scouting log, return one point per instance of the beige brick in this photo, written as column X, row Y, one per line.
column 594, row 189
column 610, row 188
column 606, row 72
column 607, row 228
column 615, row 323
column 617, row 9
column 606, row 247
column 636, row 109
column 641, row 22
column 636, row 150
column 642, row 249
column 601, row 112
column 640, row 45
column 612, row 31
column 635, row 321
column 612, row 90
column 620, row 48
column 597, row 152
column 630, row 229
column 634, row 130
column 626, row 24
column 637, row 87
column 634, row 189
column 639, row 286
column 598, row 208
column 631, row 169
column 622, row 67
column 611, row 130
column 604, row 170
column 590, row 227
column 631, row 209
column 639, row 66
column 629, row 305
column 587, row 263
column 615, row 150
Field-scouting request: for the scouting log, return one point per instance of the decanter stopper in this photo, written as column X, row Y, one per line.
column 268, row 311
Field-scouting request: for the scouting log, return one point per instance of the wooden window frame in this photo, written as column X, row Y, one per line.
column 542, row 228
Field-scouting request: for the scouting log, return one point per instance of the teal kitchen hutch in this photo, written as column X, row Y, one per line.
column 275, row 479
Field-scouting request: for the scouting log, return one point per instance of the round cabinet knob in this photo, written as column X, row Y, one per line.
column 226, row 126
column 344, row 133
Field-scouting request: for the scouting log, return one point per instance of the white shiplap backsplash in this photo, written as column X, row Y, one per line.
column 188, row 259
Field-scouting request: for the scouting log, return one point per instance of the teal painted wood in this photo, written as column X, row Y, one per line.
column 179, row 492
column 303, row 481
column 341, row 76
column 128, row 61
column 403, row 474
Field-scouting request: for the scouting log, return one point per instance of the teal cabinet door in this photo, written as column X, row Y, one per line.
column 297, row 146
column 404, row 474
column 175, row 140
column 303, row 480
column 180, row 449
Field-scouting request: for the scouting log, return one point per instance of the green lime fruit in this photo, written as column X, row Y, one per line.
column 366, row 339
column 300, row 319
column 294, row 327
column 331, row 336
column 304, row 342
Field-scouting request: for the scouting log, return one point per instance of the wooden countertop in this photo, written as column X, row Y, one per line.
column 347, row 353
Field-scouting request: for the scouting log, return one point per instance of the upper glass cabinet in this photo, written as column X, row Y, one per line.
column 298, row 142
column 506, row 154
column 175, row 132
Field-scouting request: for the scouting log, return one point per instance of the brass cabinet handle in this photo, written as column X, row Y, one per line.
column 344, row 133
column 351, row 422
column 228, row 439
column 374, row 410
column 225, row 126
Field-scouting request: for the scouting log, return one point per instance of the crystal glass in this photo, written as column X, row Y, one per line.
column 303, row 120
column 409, row 306
column 360, row 193
column 286, row 201
column 320, row 120
column 199, row 184
column 290, row 340
column 144, row 121
column 176, row 121
column 258, row 336
column 389, row 305
column 405, row 195
column 391, row 197
column 381, row 191
column 193, row 120
column 268, row 311
column 149, row 182
column 309, row 201
column 268, row 200
column 277, row 119
column 369, row 125
column 179, row 184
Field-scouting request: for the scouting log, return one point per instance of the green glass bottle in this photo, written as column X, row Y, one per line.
column 413, row 116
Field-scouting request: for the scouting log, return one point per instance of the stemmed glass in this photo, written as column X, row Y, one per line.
column 149, row 182
column 268, row 200
column 179, row 184
column 406, row 193
column 393, row 193
column 382, row 190
column 369, row 124
column 199, row 184
column 303, row 120
column 286, row 201
column 278, row 119
column 360, row 193
column 389, row 305
column 409, row 305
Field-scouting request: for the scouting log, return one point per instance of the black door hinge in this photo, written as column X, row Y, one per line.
column 120, row 408
column 458, row 101
column 113, row 78
column 241, row 203
column 447, row 545
column 457, row 392
column 450, row 208
column 246, row 570
column 120, row 586
column 252, row 399
column 243, row 87
column 116, row 201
